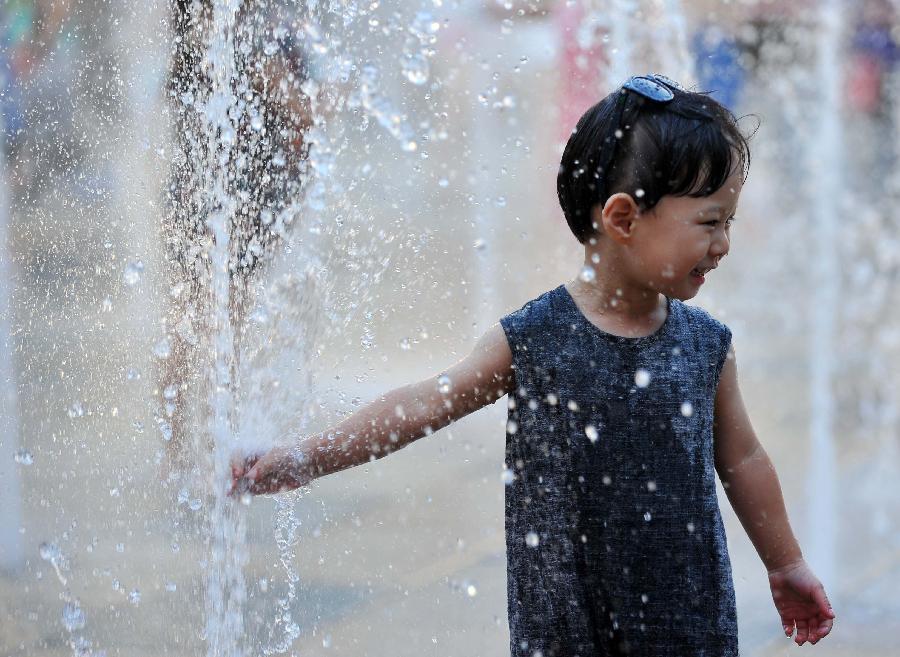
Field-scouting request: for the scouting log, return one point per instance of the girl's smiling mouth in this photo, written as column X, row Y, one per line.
column 697, row 274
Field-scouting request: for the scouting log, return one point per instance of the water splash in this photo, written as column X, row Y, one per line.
column 226, row 589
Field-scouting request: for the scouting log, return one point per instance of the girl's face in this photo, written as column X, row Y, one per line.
column 683, row 238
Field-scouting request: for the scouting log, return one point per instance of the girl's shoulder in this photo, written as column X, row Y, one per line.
column 700, row 319
column 541, row 306
column 540, row 310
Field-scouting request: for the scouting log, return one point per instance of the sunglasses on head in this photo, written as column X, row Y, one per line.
column 653, row 86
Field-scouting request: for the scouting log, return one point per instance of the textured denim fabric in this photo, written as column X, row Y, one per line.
column 615, row 544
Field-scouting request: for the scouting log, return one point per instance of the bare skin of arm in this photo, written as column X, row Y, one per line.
column 753, row 489
column 387, row 424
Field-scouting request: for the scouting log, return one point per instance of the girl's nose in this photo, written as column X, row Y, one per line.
column 720, row 245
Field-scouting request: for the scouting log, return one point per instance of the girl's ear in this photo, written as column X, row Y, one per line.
column 616, row 218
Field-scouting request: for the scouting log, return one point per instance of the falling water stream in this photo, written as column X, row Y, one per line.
column 226, row 590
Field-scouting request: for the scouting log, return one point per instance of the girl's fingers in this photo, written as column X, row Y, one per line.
column 814, row 630
column 823, row 603
column 802, row 632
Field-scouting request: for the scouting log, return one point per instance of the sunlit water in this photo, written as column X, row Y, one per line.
column 330, row 256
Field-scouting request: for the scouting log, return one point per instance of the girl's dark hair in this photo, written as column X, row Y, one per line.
column 686, row 147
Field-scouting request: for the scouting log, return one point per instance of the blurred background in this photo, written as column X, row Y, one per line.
column 401, row 158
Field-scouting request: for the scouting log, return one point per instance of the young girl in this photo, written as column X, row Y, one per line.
column 623, row 402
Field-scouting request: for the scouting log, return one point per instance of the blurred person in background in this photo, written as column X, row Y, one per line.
column 869, row 85
column 719, row 64
column 269, row 158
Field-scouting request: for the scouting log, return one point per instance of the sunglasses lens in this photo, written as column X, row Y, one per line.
column 669, row 82
column 649, row 88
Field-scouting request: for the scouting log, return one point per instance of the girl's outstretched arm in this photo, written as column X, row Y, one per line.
column 387, row 424
column 753, row 489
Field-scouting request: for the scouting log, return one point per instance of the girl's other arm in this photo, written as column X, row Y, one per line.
column 754, row 491
column 390, row 422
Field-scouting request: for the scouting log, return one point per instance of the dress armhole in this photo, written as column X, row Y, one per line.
column 722, row 353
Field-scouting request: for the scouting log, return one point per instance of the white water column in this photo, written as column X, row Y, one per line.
column 11, row 554
column 826, row 158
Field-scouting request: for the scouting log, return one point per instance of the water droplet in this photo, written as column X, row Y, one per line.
column 443, row 182
column 647, row 516
column 479, row 244
column 133, row 374
column 416, row 69
column 270, row 48
column 162, row 349
column 595, row 258
column 49, row 551
column 134, row 597
column 587, row 274
column 256, row 123
column 512, row 427
column 326, row 641
column 171, row 587
column 500, row 201
column 471, row 591
column 24, row 457
column 508, row 476
column 644, row 598
column 651, row 486
column 552, row 399
column 572, row 405
column 642, row 378
column 405, row 344
column 690, row 527
column 639, row 193
column 76, row 409
column 444, row 384
column 531, row 539
column 72, row 616
column 687, row 409
column 591, row 432
column 133, row 272
column 607, row 480
column 120, row 547
column 187, row 98
column 195, row 504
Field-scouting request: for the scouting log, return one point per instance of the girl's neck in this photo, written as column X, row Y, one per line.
column 608, row 295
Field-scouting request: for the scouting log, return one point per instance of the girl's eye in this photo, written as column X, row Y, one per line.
column 714, row 222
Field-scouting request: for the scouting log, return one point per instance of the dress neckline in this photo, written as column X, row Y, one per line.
column 593, row 328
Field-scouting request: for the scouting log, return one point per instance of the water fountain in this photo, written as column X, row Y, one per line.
column 423, row 132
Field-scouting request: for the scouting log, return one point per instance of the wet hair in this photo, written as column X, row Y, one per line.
column 687, row 147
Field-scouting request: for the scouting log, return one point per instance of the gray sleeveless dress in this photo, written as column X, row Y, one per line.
column 615, row 544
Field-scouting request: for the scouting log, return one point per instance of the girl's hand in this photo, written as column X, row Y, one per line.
column 800, row 599
column 278, row 470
